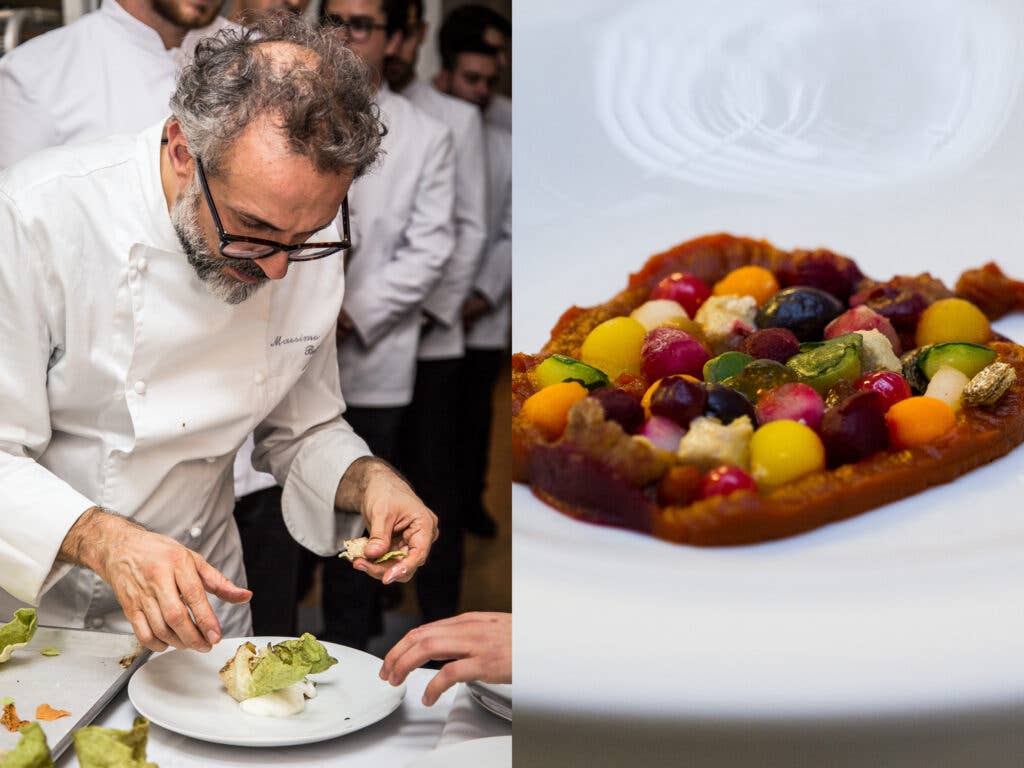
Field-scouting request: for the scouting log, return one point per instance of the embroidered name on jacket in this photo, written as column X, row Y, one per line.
column 280, row 341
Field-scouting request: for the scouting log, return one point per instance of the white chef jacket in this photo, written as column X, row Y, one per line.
column 445, row 339
column 126, row 385
column 499, row 112
column 494, row 278
column 104, row 73
column 403, row 236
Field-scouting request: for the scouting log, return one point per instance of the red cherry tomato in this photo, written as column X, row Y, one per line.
column 689, row 290
column 889, row 385
column 723, row 480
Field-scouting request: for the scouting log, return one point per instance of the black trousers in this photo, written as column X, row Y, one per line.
column 430, row 437
column 351, row 599
column 479, row 375
column 272, row 559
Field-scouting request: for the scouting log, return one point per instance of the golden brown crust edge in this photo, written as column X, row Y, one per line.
column 981, row 436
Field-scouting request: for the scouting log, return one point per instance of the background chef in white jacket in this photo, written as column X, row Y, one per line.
column 469, row 73
column 111, row 71
column 430, row 430
column 139, row 356
column 478, row 22
column 404, row 236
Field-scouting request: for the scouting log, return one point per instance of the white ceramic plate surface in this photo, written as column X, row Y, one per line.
column 180, row 691
column 493, row 752
column 494, row 697
column 835, row 125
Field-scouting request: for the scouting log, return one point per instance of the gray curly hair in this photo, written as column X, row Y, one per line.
column 321, row 97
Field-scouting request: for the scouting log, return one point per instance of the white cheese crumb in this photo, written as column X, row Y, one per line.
column 710, row 443
column 726, row 320
column 877, row 353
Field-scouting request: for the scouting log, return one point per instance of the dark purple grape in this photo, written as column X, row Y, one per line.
column 727, row 404
column 620, row 408
column 854, row 429
column 777, row 344
column 805, row 311
column 679, row 399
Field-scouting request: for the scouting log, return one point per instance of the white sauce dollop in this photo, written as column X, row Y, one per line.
column 283, row 703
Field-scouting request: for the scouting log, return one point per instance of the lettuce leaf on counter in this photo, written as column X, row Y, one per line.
column 99, row 747
column 17, row 632
column 32, row 750
column 252, row 672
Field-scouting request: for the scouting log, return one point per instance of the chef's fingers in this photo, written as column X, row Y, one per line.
column 370, row 568
column 144, row 633
column 216, row 583
column 381, row 531
column 176, row 615
column 419, row 536
column 451, row 673
column 155, row 617
column 423, row 644
column 190, row 586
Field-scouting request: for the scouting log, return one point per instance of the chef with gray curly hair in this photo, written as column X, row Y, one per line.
column 163, row 295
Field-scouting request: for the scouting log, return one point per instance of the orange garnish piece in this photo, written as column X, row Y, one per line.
column 46, row 712
column 11, row 721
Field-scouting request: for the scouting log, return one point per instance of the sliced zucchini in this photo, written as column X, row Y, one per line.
column 969, row 359
column 559, row 368
column 823, row 364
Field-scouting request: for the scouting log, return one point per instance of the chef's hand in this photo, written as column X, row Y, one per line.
column 345, row 326
column 394, row 515
column 475, row 307
column 160, row 584
column 479, row 643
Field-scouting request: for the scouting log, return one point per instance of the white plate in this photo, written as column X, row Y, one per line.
column 496, row 698
column 180, row 691
column 492, row 752
column 911, row 609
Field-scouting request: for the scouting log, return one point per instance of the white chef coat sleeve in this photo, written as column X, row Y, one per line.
column 445, row 303
column 422, row 254
column 307, row 445
column 494, row 279
column 37, row 509
column 26, row 125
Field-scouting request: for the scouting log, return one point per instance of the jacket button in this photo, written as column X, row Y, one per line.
column 140, row 387
column 210, row 459
column 259, row 378
column 97, row 622
column 195, row 532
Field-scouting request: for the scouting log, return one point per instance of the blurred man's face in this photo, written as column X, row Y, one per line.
column 400, row 66
column 188, row 14
column 494, row 38
column 365, row 33
column 263, row 190
column 473, row 79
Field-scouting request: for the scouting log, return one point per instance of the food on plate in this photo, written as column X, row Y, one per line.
column 17, row 632
column 46, row 712
column 271, row 681
column 49, row 652
column 98, row 747
column 32, row 751
column 801, row 392
column 10, row 719
column 357, row 547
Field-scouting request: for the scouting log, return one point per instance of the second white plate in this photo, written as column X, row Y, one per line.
column 180, row 691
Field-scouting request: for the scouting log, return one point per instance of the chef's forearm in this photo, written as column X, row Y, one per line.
column 91, row 537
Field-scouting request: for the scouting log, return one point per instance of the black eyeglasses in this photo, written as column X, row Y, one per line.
column 359, row 28
column 238, row 247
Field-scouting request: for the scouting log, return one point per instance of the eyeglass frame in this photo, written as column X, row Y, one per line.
column 337, row 21
column 226, row 239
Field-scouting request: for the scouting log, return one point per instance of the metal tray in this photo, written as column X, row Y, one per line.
column 86, row 675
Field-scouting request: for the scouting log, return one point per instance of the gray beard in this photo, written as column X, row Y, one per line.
column 207, row 264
